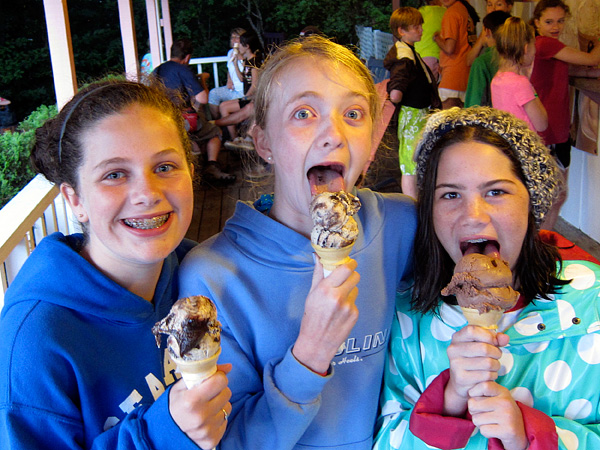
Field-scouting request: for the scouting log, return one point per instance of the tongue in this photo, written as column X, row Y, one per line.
column 489, row 248
column 323, row 179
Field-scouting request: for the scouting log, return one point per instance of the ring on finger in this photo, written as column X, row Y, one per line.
column 225, row 414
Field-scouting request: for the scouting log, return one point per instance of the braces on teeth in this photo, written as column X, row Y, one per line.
column 147, row 224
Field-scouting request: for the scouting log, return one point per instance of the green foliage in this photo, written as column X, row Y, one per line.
column 15, row 147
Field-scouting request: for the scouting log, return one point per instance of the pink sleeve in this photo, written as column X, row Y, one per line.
column 539, row 428
column 428, row 423
column 445, row 432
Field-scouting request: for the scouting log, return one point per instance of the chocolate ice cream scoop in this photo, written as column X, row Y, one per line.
column 334, row 226
column 193, row 329
column 483, row 283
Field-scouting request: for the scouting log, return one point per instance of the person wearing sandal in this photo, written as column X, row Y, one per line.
column 191, row 96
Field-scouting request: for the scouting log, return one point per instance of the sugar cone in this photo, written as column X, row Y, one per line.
column 487, row 320
column 332, row 257
column 194, row 372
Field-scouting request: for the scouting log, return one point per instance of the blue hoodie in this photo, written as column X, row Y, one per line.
column 259, row 273
column 79, row 366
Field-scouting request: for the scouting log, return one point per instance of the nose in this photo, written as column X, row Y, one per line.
column 475, row 211
column 146, row 190
column 331, row 134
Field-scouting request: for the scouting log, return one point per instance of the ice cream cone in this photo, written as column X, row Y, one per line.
column 488, row 320
column 332, row 257
column 194, row 372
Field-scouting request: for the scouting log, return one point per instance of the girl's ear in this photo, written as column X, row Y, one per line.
column 536, row 22
column 74, row 202
column 262, row 145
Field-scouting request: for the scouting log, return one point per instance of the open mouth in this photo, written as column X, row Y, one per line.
column 483, row 246
column 147, row 224
column 329, row 178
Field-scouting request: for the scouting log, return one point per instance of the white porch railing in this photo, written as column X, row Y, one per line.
column 37, row 211
column 214, row 60
column 373, row 43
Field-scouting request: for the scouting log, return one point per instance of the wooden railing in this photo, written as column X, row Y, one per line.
column 38, row 210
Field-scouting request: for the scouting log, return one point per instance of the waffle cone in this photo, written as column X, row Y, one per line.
column 195, row 372
column 487, row 320
column 333, row 257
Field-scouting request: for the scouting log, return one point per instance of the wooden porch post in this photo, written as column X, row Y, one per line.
column 132, row 67
column 395, row 5
column 61, row 50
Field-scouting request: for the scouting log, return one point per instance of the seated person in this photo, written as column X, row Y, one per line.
column 234, row 88
column 189, row 94
column 235, row 112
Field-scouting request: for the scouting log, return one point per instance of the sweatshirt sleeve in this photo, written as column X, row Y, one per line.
column 271, row 409
column 402, row 73
column 144, row 428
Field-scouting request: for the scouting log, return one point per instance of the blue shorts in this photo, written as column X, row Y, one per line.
column 221, row 94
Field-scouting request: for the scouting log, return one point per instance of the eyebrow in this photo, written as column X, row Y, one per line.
column 317, row 95
column 119, row 160
column 484, row 185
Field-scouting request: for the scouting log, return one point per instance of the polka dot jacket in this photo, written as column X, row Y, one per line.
column 552, row 363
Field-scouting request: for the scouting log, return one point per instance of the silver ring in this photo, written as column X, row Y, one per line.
column 225, row 414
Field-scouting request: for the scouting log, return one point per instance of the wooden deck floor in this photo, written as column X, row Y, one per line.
column 214, row 204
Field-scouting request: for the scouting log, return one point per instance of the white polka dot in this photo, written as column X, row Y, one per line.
column 406, row 325
column 392, row 364
column 528, row 326
column 558, row 376
column 508, row 320
column 452, row 315
column 397, row 434
column 536, row 347
column 588, row 348
column 418, row 383
column 568, row 438
column 391, row 407
column 582, row 276
column 578, row 409
column 411, row 394
column 430, row 380
column 565, row 314
column 522, row 395
column 507, row 361
column 594, row 327
column 441, row 331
